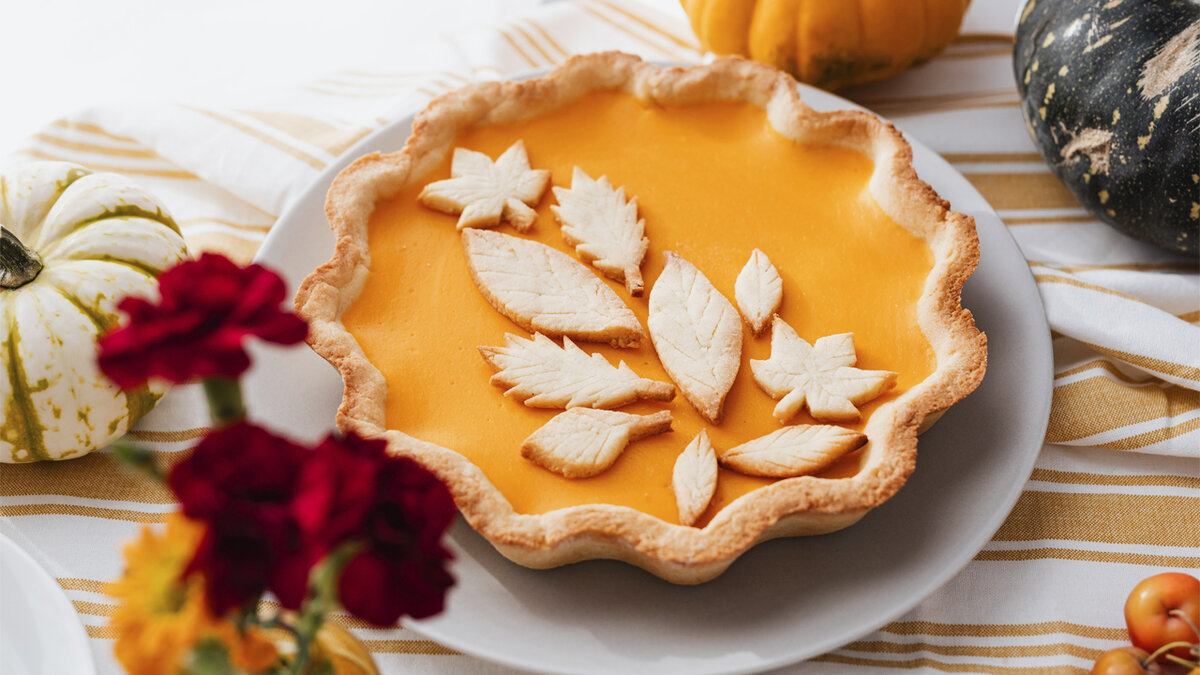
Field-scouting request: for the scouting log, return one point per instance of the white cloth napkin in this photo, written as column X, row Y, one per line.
column 1116, row 492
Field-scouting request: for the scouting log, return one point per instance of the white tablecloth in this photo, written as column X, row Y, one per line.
column 1115, row 495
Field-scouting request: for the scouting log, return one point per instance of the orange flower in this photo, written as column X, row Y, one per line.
column 162, row 614
column 252, row 651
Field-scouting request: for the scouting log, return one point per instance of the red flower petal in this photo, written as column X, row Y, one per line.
column 381, row 591
column 206, row 310
column 241, row 481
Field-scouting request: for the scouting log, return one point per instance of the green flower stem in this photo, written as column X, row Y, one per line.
column 322, row 600
column 307, row 625
column 209, row 656
column 224, row 400
column 312, row 615
column 18, row 264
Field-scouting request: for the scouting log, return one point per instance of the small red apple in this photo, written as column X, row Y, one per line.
column 1125, row 660
column 1162, row 609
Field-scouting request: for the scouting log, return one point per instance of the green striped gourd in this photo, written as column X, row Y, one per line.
column 74, row 244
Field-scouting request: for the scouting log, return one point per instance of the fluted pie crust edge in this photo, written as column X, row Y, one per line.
column 789, row 507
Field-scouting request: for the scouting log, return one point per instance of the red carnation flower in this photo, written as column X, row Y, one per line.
column 403, row 569
column 241, row 481
column 337, row 490
column 238, row 566
column 207, row 308
column 354, row 491
column 382, row 586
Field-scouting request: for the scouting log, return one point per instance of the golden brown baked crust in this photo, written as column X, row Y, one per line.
column 788, row 507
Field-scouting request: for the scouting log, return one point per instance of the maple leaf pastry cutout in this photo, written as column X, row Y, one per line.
column 544, row 375
column 820, row 376
column 486, row 193
column 604, row 228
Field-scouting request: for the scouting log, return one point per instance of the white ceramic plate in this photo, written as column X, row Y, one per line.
column 784, row 601
column 39, row 629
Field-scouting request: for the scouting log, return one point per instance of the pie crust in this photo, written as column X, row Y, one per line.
column 788, row 507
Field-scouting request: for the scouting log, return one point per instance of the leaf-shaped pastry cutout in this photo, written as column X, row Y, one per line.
column 697, row 334
column 583, row 442
column 544, row 375
column 547, row 291
column 604, row 229
column 820, row 376
column 792, row 451
column 758, row 291
column 695, row 478
column 486, row 193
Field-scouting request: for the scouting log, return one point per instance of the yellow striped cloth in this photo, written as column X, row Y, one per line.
column 1115, row 495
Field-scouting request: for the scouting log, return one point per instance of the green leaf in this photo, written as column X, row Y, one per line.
column 139, row 459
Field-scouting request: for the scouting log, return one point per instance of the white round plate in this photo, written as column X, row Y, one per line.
column 39, row 629
column 782, row 602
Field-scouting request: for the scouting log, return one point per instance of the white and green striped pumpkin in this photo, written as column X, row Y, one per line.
column 74, row 244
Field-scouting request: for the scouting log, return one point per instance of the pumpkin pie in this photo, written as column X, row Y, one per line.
column 651, row 314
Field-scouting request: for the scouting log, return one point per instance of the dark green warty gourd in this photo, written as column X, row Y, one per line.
column 1110, row 91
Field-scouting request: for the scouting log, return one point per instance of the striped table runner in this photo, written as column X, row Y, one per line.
column 1115, row 495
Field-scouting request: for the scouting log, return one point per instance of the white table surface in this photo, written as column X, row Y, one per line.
column 62, row 55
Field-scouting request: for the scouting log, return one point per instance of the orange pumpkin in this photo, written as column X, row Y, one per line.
column 829, row 43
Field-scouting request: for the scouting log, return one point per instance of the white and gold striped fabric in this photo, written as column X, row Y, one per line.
column 1115, row 495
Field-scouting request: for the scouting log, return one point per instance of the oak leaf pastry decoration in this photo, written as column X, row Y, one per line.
column 694, row 478
column 797, row 450
column 546, row 291
column 819, row 376
column 697, row 334
column 604, row 228
column 544, row 375
column 584, row 442
column 486, row 193
column 758, row 291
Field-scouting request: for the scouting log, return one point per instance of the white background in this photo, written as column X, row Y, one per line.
column 61, row 55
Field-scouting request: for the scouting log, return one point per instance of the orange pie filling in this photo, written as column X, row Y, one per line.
column 713, row 181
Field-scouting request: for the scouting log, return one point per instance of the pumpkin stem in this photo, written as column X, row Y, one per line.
column 18, row 264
